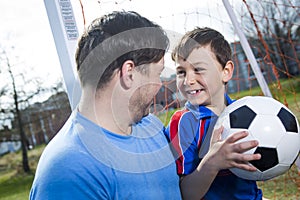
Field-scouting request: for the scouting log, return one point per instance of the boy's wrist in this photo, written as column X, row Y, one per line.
column 209, row 165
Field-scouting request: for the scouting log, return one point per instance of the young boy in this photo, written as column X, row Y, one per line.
column 204, row 66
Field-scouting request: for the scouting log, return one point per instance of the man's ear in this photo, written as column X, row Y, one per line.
column 228, row 71
column 127, row 70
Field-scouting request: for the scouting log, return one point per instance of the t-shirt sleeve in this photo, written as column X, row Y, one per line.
column 182, row 133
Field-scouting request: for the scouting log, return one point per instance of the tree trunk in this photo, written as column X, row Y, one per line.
column 26, row 167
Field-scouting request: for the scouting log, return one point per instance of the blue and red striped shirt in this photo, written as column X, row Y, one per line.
column 187, row 131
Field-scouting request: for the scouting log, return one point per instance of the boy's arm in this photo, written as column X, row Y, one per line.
column 222, row 155
column 181, row 133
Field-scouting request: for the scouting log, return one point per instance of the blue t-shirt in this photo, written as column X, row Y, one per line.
column 85, row 161
column 187, row 131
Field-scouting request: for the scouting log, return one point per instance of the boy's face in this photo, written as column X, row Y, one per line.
column 200, row 78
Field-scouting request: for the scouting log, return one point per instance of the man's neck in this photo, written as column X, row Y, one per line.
column 102, row 112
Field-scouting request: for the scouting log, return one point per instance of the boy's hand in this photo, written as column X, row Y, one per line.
column 222, row 154
column 228, row 153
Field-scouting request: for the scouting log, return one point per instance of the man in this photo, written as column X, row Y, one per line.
column 111, row 147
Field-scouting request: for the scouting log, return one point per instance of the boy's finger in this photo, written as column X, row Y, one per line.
column 246, row 167
column 237, row 136
column 245, row 146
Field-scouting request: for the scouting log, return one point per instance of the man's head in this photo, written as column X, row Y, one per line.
column 114, row 38
column 119, row 61
column 203, row 66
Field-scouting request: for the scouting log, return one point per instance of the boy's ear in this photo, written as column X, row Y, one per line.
column 228, row 71
column 127, row 74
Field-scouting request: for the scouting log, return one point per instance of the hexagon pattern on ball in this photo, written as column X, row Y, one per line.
column 273, row 125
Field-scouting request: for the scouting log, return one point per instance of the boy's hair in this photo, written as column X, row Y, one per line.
column 201, row 37
column 114, row 38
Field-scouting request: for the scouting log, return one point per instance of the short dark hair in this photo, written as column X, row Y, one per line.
column 200, row 37
column 115, row 38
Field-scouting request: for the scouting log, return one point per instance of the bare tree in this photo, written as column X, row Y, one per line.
column 14, row 97
column 273, row 27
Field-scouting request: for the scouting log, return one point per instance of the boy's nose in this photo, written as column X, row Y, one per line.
column 189, row 79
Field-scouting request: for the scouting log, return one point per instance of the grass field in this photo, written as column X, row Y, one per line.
column 15, row 185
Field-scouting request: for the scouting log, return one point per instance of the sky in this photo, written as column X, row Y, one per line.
column 25, row 25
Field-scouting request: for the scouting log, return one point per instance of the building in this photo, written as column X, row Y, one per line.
column 41, row 121
column 284, row 63
column 243, row 75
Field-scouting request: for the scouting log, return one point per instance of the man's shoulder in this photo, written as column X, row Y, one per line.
column 63, row 155
column 150, row 121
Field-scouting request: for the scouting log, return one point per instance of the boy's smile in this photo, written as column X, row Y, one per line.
column 193, row 92
column 201, row 78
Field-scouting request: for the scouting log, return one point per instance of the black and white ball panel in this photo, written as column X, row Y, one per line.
column 273, row 125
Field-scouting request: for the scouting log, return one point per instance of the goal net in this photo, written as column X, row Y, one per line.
column 264, row 36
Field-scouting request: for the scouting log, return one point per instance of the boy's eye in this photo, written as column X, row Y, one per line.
column 180, row 72
column 198, row 69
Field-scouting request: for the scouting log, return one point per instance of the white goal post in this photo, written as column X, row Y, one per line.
column 65, row 33
column 247, row 49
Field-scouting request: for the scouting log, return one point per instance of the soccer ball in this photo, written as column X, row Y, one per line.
column 273, row 125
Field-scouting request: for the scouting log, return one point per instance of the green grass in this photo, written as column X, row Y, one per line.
column 14, row 186
column 286, row 186
column 14, row 183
